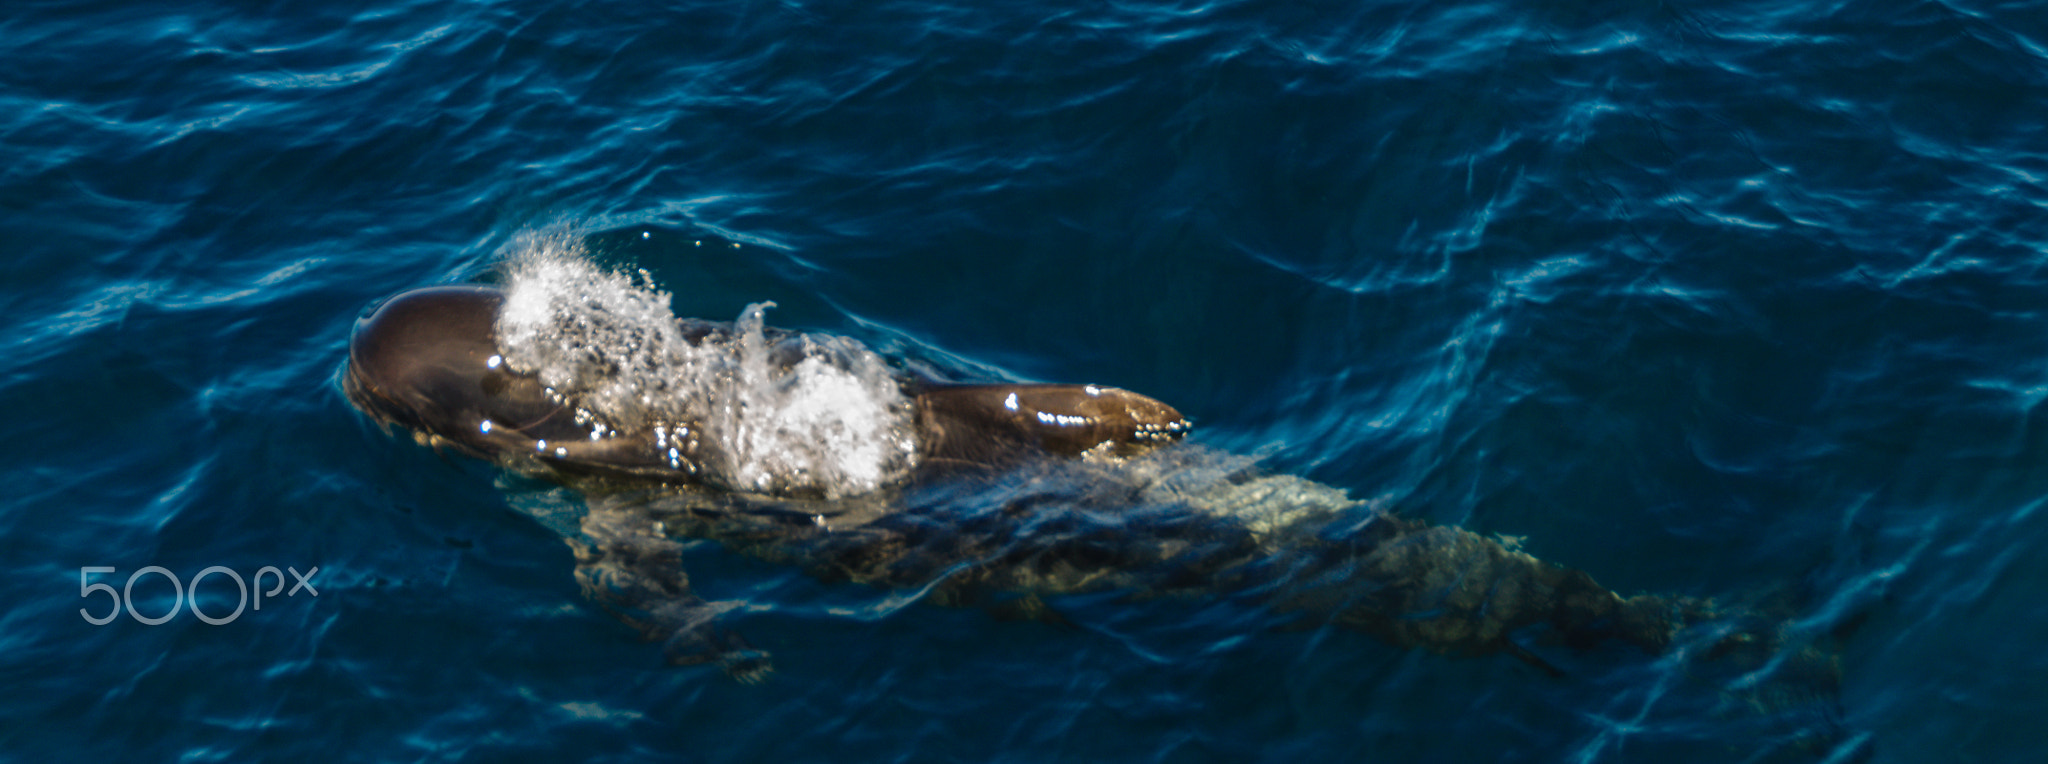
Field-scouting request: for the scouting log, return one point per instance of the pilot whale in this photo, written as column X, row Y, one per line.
column 1151, row 515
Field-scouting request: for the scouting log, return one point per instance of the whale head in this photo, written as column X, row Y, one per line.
column 428, row 360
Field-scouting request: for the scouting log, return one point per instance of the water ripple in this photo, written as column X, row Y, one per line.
column 1740, row 299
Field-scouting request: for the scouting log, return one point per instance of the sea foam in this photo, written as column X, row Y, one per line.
column 774, row 412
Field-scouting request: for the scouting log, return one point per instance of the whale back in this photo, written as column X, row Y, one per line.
column 978, row 423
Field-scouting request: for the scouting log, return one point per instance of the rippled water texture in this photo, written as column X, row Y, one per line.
column 1739, row 300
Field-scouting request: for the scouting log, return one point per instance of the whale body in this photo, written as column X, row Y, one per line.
column 1182, row 519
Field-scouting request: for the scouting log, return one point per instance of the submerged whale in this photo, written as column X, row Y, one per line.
column 1135, row 510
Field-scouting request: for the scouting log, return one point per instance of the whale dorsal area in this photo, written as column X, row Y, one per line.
column 979, row 423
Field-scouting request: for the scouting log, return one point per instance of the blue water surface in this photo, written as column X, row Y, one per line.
column 1726, row 299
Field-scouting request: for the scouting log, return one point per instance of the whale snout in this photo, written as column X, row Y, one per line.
column 423, row 357
column 428, row 360
column 420, row 347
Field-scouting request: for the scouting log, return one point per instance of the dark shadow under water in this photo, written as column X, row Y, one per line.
column 1190, row 522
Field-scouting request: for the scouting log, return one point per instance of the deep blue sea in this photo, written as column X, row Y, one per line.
column 1724, row 299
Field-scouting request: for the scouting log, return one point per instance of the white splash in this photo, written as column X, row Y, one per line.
column 778, row 412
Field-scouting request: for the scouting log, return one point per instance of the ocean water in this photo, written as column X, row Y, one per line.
column 1740, row 300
